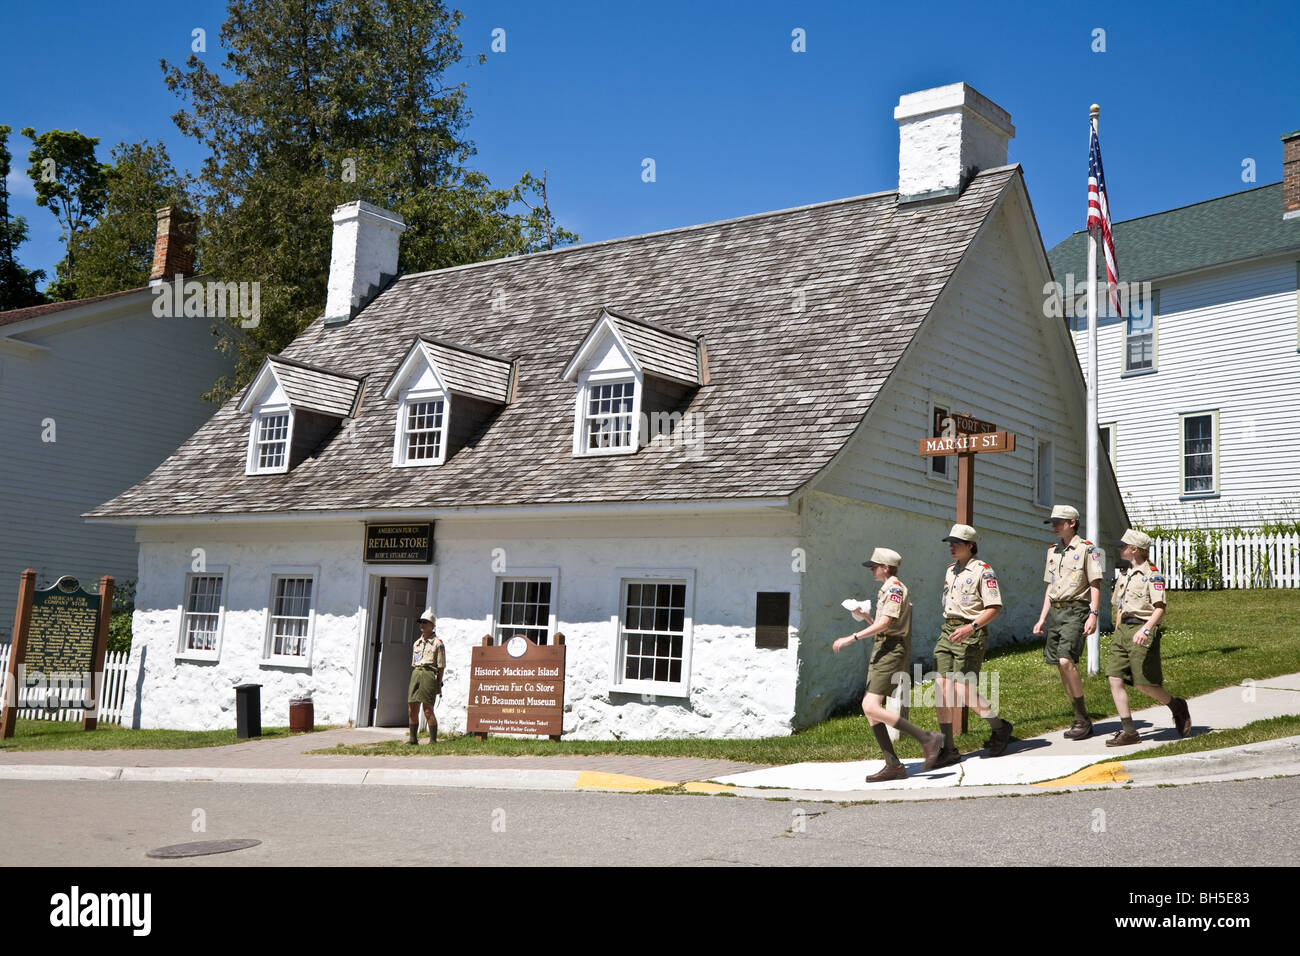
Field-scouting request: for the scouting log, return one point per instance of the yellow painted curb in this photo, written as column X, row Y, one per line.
column 696, row 786
column 1097, row 773
column 594, row 780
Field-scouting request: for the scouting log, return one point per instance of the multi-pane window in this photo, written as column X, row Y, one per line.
column 653, row 630
column 609, row 415
column 1140, row 336
column 272, row 441
column 524, row 608
column 290, row 616
column 1198, row 454
column 202, row 612
column 424, row 421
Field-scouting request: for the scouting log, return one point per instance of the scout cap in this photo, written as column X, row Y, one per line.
column 428, row 616
column 890, row 559
column 962, row 532
column 1063, row 513
column 1137, row 539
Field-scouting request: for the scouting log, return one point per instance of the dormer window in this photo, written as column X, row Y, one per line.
column 439, row 385
column 628, row 370
column 294, row 407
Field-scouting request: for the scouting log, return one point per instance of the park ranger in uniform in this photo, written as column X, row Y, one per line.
column 428, row 661
column 890, row 656
column 1135, row 646
column 1070, row 606
column 970, row 600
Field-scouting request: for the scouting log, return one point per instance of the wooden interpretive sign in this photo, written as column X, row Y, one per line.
column 516, row 688
column 973, row 444
column 60, row 636
column 399, row 543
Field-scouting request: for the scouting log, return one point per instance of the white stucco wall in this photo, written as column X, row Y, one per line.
column 735, row 689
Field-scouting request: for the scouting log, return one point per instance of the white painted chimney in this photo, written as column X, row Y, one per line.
column 945, row 136
column 362, row 258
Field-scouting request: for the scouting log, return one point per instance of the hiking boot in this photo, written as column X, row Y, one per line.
column 947, row 759
column 896, row 772
column 1079, row 730
column 1122, row 738
column 413, row 738
column 931, row 747
column 1001, row 737
column 1182, row 717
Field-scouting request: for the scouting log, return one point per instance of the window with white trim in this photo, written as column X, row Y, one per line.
column 938, row 464
column 202, row 616
column 1106, row 440
column 290, row 618
column 268, row 446
column 423, row 430
column 1043, row 474
column 609, row 416
column 652, row 632
column 1140, row 334
column 523, row 607
column 1200, row 471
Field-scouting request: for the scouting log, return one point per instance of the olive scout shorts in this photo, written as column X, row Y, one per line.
column 1135, row 663
column 963, row 659
column 424, row 687
column 890, row 656
column 1064, row 634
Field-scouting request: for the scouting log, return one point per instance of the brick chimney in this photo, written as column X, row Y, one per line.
column 1291, row 175
column 173, row 247
column 363, row 257
column 945, row 136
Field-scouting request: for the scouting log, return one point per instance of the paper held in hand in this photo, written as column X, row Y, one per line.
column 862, row 606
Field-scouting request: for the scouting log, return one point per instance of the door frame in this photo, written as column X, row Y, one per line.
column 370, row 612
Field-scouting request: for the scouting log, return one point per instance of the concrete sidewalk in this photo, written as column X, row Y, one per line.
column 1043, row 764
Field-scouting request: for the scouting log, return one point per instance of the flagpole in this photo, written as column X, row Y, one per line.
column 1093, row 529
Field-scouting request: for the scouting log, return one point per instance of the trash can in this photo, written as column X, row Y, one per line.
column 248, row 710
column 301, row 715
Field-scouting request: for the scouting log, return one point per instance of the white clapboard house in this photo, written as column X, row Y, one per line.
column 94, row 394
column 676, row 449
column 1199, row 379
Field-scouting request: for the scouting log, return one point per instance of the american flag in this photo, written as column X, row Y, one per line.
column 1099, row 215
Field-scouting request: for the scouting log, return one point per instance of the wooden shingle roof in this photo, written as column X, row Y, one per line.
column 316, row 389
column 806, row 313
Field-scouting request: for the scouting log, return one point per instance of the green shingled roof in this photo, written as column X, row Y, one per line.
column 1244, row 225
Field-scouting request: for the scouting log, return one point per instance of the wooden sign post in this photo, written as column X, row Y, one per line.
column 60, row 633
column 966, row 437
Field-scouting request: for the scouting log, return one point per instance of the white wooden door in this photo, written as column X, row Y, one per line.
column 403, row 605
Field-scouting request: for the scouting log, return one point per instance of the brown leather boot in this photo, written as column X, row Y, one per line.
column 414, row 735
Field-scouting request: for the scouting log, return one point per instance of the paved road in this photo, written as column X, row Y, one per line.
column 1246, row 823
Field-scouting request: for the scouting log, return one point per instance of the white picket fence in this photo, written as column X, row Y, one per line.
column 34, row 702
column 1245, row 560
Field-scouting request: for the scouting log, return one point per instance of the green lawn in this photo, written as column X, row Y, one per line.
column 1270, row 729
column 1215, row 639
column 68, row 735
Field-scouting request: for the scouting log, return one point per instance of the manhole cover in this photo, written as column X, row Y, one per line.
column 203, row 848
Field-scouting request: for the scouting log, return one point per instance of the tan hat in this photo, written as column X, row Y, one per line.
column 428, row 616
column 1063, row 513
column 962, row 532
column 890, row 559
column 1137, row 539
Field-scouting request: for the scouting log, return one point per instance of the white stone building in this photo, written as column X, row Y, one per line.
column 1199, row 382
column 677, row 449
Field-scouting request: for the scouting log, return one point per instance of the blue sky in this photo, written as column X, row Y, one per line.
column 737, row 122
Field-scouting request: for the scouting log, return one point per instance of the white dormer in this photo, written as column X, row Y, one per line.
column 610, row 369
column 432, row 378
column 293, row 406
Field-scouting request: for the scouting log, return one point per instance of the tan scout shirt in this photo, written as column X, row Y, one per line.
column 1139, row 591
column 969, row 590
column 893, row 602
column 430, row 653
column 1071, row 569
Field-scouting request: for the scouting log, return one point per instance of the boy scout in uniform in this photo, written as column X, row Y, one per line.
column 1070, row 607
column 1135, row 646
column 970, row 600
column 428, row 661
column 891, row 654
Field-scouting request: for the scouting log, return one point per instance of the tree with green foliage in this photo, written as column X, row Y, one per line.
column 116, row 253
column 326, row 102
column 17, row 285
column 72, row 184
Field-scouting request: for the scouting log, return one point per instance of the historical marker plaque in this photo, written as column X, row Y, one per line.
column 399, row 543
column 516, row 688
column 61, row 639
